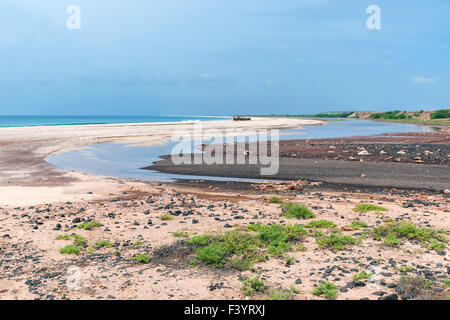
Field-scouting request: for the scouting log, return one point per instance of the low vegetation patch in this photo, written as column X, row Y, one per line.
column 414, row 286
column 78, row 240
column 200, row 240
column 392, row 234
column 447, row 283
column 356, row 225
column 70, row 249
column 275, row 199
column 281, row 294
column 293, row 210
column 252, row 285
column 368, row 207
column 289, row 260
column 440, row 114
column 165, row 217
column 63, row 237
column 142, row 258
column 89, row 225
column 78, row 244
column 389, row 115
column 318, row 224
column 181, row 234
column 362, row 276
column 103, row 243
column 327, row 289
column 334, row 241
column 241, row 249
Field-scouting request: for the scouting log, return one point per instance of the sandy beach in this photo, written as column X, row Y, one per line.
column 131, row 238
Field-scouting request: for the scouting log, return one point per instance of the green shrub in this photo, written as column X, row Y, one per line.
column 289, row 260
column 447, row 283
column 334, row 241
column 328, row 289
column 252, row 285
column 281, row 294
column 142, row 258
column 367, row 207
column 275, row 199
column 392, row 233
column 440, row 114
column 78, row 240
column 356, row 225
column 389, row 115
column 320, row 224
column 213, row 255
column 241, row 249
column 89, row 225
column 70, row 249
column 392, row 240
column 63, row 237
column 181, row 234
column 103, row 243
column 293, row 210
column 200, row 240
column 165, row 217
column 361, row 276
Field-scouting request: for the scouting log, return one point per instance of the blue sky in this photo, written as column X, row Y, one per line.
column 167, row 57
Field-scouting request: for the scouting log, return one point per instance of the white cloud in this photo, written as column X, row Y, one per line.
column 419, row 79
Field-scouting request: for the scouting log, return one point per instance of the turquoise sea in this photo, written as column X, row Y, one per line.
column 30, row 121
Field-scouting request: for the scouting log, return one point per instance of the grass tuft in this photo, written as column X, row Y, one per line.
column 318, row 224
column 63, row 237
column 392, row 234
column 328, row 289
column 356, row 225
column 293, row 210
column 241, row 249
column 165, row 217
column 181, row 234
column 362, row 276
column 368, row 207
column 89, row 225
column 70, row 249
column 334, row 241
column 252, row 285
column 103, row 243
column 275, row 199
column 142, row 258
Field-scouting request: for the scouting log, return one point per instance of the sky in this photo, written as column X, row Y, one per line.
column 222, row 57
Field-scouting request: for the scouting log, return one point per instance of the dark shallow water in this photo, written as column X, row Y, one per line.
column 124, row 161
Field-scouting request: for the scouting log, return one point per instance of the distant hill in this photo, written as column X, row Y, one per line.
column 419, row 116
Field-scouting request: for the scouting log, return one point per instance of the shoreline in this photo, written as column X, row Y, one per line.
column 24, row 150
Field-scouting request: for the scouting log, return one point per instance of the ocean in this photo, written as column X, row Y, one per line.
column 31, row 121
